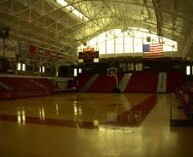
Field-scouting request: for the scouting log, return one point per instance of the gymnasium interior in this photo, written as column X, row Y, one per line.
column 96, row 78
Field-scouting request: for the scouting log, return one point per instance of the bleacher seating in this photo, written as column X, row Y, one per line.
column 183, row 97
column 47, row 84
column 19, row 83
column 2, row 89
column 142, row 82
column 105, row 83
column 79, row 81
column 174, row 79
column 21, row 88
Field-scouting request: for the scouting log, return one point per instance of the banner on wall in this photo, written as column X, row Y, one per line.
column 53, row 55
column 61, row 56
column 23, row 48
column 32, row 49
column 8, row 50
column 41, row 51
column 47, row 54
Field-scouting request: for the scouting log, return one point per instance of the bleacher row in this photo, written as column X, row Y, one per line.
column 15, row 87
column 140, row 82
column 184, row 95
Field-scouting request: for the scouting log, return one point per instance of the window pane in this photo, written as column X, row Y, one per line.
column 80, row 70
column 23, row 67
column 102, row 48
column 43, row 69
column 128, row 44
column 187, row 70
column 110, row 46
column 75, row 72
column 18, row 66
column 129, row 41
column 138, row 45
column 119, row 44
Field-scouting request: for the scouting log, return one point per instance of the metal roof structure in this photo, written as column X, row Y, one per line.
column 50, row 24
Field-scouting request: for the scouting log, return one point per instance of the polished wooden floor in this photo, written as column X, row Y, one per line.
column 76, row 125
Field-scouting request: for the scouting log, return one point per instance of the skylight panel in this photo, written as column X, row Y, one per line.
column 72, row 9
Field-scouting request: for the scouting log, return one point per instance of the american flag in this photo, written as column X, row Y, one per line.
column 153, row 50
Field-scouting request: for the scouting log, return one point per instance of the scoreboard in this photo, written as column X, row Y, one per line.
column 88, row 55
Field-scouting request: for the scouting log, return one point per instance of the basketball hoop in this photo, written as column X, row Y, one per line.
column 111, row 72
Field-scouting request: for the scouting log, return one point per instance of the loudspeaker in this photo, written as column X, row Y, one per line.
column 4, row 32
column 148, row 39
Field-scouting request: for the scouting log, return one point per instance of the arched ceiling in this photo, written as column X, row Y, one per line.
column 49, row 24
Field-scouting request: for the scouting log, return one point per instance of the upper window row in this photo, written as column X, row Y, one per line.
column 131, row 41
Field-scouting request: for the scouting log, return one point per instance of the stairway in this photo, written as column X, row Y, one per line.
column 161, row 85
column 124, row 81
column 87, row 85
column 38, row 84
column 4, row 86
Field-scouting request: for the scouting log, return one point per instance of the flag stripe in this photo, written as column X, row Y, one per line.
column 153, row 50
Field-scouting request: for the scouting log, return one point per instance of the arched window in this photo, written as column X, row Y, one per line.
column 117, row 41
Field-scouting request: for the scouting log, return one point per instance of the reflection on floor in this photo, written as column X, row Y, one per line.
column 123, row 113
column 81, row 125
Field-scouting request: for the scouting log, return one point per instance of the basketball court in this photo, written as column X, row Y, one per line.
column 96, row 78
column 86, row 124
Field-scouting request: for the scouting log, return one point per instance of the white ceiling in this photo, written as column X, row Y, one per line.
column 48, row 24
